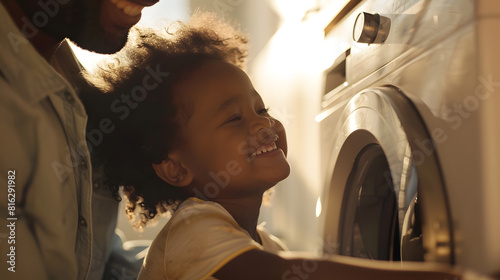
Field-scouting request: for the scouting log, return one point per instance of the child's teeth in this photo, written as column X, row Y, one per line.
column 270, row 147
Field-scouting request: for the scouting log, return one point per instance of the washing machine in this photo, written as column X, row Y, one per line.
column 410, row 132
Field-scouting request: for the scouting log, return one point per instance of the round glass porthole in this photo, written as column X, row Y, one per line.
column 384, row 202
column 369, row 225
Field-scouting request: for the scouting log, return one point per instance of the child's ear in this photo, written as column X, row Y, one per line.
column 172, row 171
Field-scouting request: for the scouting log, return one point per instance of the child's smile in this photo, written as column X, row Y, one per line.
column 265, row 149
column 229, row 124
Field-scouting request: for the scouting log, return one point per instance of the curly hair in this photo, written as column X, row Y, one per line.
column 131, row 101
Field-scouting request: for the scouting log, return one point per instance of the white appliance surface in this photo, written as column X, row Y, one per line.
column 428, row 96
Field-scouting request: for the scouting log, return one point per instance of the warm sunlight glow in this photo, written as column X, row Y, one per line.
column 88, row 59
column 298, row 46
column 293, row 9
column 318, row 207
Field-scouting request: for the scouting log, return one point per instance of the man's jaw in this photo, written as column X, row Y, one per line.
column 111, row 29
column 127, row 7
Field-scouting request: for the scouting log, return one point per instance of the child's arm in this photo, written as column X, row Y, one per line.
column 257, row 264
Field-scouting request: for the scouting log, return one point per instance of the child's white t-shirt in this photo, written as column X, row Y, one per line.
column 200, row 238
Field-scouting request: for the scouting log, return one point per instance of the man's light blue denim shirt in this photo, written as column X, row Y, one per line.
column 63, row 228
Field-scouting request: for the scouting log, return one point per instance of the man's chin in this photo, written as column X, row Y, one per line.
column 102, row 44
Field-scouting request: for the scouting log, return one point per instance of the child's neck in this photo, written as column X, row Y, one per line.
column 245, row 211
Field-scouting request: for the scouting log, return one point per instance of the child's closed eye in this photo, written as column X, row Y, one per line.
column 263, row 111
column 233, row 118
column 238, row 117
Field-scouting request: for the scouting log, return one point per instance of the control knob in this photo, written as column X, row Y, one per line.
column 371, row 28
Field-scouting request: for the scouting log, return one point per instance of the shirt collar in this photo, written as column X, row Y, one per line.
column 23, row 68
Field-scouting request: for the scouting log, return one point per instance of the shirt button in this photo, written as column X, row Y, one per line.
column 69, row 97
column 82, row 221
column 83, row 164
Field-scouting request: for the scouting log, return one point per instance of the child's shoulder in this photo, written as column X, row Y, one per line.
column 195, row 210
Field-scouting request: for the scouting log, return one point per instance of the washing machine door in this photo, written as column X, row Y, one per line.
column 386, row 198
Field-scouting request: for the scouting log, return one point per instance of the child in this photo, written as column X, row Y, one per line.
column 184, row 131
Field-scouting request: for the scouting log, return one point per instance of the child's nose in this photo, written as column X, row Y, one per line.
column 262, row 129
column 262, row 122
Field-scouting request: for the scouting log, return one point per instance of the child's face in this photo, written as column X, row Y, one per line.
column 228, row 133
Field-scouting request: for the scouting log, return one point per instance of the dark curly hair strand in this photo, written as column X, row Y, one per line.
column 132, row 94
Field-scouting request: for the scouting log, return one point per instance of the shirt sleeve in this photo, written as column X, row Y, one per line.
column 201, row 240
